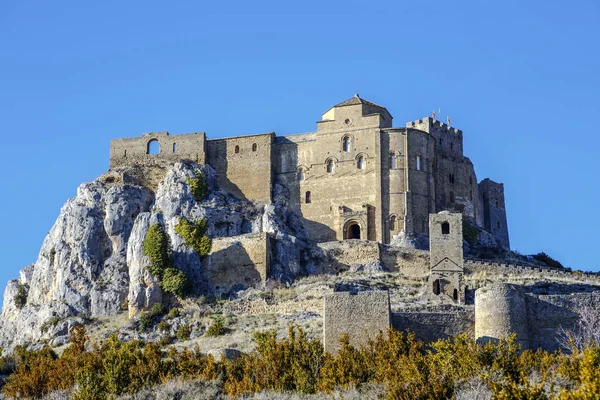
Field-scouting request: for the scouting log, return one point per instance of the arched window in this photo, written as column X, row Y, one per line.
column 445, row 228
column 300, row 174
column 174, row 147
column 237, row 149
column 360, row 163
column 330, row 166
column 347, row 144
column 418, row 163
column 436, row 287
column 254, row 146
column 307, row 198
column 393, row 223
column 153, row 147
column 452, row 199
column 455, row 295
column 393, row 161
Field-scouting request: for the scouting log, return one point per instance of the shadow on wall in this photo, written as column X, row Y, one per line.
column 290, row 175
column 218, row 154
column 232, row 268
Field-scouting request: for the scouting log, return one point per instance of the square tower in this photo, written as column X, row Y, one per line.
column 446, row 255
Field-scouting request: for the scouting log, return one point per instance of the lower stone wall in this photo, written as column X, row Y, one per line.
column 341, row 256
column 238, row 262
column 362, row 316
column 430, row 326
column 547, row 315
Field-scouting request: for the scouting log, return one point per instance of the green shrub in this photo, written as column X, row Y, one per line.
column 157, row 247
column 163, row 326
column 470, row 232
column 546, row 259
column 175, row 281
column 173, row 313
column 148, row 318
column 184, row 332
column 216, row 329
column 193, row 234
column 49, row 324
column 198, row 187
column 21, row 296
column 165, row 340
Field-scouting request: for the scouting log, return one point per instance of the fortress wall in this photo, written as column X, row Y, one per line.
column 129, row 151
column 460, row 194
column 451, row 143
column 361, row 316
column 421, row 189
column 238, row 261
column 396, row 178
column 342, row 255
column 408, row 262
column 494, row 210
column 500, row 309
column 246, row 174
column 347, row 194
column 431, row 326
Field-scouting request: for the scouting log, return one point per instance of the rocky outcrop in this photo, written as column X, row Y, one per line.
column 92, row 261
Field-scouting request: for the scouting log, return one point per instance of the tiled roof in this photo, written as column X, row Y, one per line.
column 355, row 100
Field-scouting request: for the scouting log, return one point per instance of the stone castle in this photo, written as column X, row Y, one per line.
column 356, row 177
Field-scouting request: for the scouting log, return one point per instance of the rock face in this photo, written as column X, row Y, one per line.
column 92, row 261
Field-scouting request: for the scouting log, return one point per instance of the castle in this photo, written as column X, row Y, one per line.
column 356, row 177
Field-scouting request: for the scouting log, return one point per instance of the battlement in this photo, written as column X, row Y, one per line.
column 426, row 124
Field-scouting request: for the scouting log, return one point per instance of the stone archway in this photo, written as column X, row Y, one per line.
column 352, row 230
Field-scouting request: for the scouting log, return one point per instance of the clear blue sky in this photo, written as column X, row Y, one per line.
column 520, row 78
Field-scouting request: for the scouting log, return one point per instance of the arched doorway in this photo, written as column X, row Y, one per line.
column 352, row 230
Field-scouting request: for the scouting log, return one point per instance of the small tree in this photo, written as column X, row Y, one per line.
column 21, row 296
column 194, row 235
column 157, row 247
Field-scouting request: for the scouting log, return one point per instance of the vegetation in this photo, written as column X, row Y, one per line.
column 148, row 318
column 194, row 235
column 470, row 232
column 216, row 329
column 546, row 259
column 157, row 247
column 184, row 332
column 20, row 298
column 198, row 187
column 407, row 368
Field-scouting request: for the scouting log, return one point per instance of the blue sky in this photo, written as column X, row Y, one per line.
column 519, row 78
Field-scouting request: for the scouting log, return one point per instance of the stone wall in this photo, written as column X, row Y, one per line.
column 494, row 211
column 430, row 326
column 243, row 165
column 129, row 151
column 238, row 262
column 362, row 316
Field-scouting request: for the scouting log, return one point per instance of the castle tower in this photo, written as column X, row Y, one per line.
column 446, row 255
column 494, row 211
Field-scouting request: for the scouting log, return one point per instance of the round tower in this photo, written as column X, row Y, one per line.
column 501, row 309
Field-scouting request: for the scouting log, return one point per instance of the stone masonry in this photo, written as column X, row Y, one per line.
column 355, row 177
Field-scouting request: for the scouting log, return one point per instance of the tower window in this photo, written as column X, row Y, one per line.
column 451, row 178
column 497, row 204
column 330, row 166
column 347, row 144
column 393, row 223
column 254, row 146
column 301, row 174
column 307, row 198
column 174, row 147
column 393, row 161
column 360, row 163
column 451, row 146
column 237, row 149
column 418, row 163
column 445, row 228
column 153, row 147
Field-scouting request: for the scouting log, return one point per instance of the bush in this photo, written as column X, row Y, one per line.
column 546, row 259
column 173, row 313
column 148, row 318
column 184, row 332
column 20, row 298
column 163, row 326
column 470, row 232
column 216, row 329
column 157, row 247
column 198, row 187
column 193, row 234
column 176, row 282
